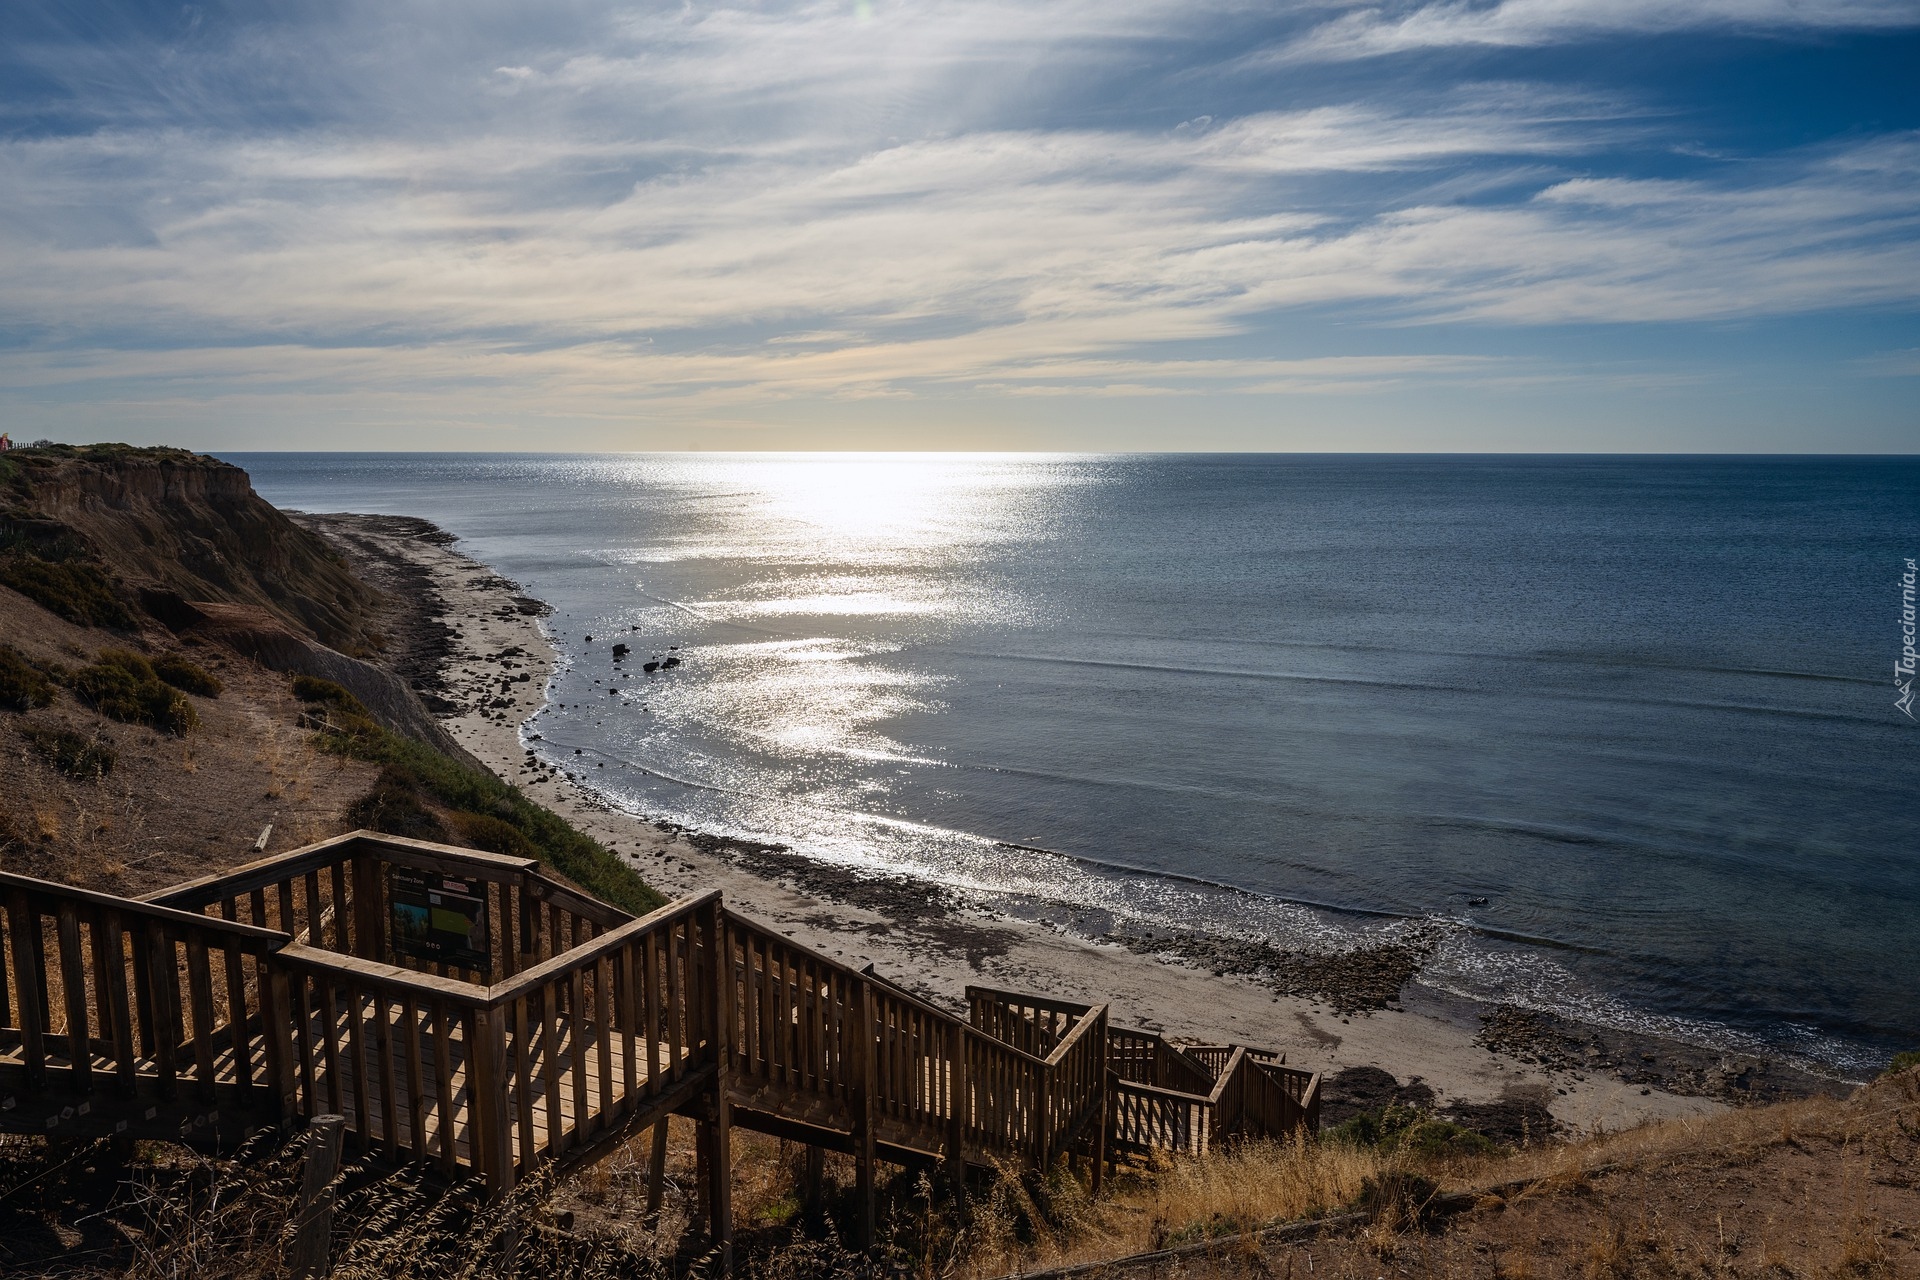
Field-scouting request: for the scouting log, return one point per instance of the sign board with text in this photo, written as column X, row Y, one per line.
column 439, row 918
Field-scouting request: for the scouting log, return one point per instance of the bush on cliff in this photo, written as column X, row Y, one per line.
column 484, row 808
column 23, row 686
column 73, row 589
column 122, row 684
column 187, row 676
column 395, row 807
column 1397, row 1128
column 75, row 754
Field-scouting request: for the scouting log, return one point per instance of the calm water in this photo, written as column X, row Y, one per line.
column 1644, row 707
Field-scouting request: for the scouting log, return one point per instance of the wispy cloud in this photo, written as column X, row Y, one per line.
column 705, row 208
column 1374, row 31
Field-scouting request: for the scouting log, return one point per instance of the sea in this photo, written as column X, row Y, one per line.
column 1622, row 732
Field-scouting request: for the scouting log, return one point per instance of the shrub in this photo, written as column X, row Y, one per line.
column 184, row 674
column 349, row 730
column 1397, row 1128
column 23, row 686
column 77, row 592
column 71, row 752
column 394, row 806
column 495, row 835
column 122, row 685
column 1903, row 1061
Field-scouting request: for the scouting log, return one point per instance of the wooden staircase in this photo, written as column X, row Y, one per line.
column 297, row 986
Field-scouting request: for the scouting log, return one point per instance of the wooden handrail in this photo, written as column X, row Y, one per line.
column 589, row 952
column 263, row 872
column 269, row 938
column 363, row 972
column 1042, row 1003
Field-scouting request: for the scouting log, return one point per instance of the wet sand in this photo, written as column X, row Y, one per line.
column 1357, row 1019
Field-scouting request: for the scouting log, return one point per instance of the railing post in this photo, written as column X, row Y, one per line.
column 957, row 1122
column 278, row 1036
column 493, row 1145
column 312, row 1236
column 1103, row 1091
column 719, row 1041
column 863, row 1089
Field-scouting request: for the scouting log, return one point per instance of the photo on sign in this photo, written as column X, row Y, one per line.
column 438, row 918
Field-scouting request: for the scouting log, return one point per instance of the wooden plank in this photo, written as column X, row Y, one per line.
column 276, row 1031
column 342, row 929
column 325, row 996
column 650, row 1030
column 443, row 1086
column 356, row 1052
column 624, row 997
column 163, row 1016
column 863, row 1135
column 383, row 1047
column 316, row 914
column 578, row 1035
column 287, row 916
column 523, row 1078
column 300, row 1013
column 73, row 982
column 486, row 1058
column 200, row 998
column 416, row 1092
column 6, row 995
column 676, row 1007
column 603, row 1025
column 508, row 961
column 109, row 942
column 237, row 1038
column 550, row 1062
column 24, row 926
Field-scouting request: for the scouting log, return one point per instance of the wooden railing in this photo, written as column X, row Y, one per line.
column 335, row 896
column 1252, row 1094
column 279, row 990
column 498, row 1079
column 133, row 1018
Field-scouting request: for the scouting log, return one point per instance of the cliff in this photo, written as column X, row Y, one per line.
column 176, row 525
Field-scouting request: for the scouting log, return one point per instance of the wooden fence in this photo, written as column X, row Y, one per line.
column 282, row 989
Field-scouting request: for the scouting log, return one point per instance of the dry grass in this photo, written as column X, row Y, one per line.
column 1821, row 1189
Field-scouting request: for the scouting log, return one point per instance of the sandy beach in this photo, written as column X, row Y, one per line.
column 494, row 660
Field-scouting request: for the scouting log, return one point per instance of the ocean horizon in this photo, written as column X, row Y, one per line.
column 1619, row 732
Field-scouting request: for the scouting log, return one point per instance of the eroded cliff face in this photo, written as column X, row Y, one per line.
column 172, row 523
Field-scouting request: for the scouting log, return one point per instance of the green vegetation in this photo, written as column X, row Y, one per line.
column 123, row 685
column 397, row 806
column 1397, row 1128
column 484, row 809
column 186, row 675
column 76, row 591
column 23, row 686
column 1904, row 1061
column 491, row 834
column 70, row 751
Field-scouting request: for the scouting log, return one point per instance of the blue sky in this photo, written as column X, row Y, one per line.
column 1095, row 224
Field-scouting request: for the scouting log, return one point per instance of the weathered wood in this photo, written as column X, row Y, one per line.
column 657, row 1167
column 73, row 983
column 863, row 1136
column 313, row 1230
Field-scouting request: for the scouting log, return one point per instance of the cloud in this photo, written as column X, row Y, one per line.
column 708, row 208
column 1375, row 31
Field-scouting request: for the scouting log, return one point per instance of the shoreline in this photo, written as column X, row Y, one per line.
column 1360, row 1018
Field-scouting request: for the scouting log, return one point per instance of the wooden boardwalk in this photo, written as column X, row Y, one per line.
column 555, row 1025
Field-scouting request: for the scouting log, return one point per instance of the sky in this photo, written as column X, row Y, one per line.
column 1474, row 225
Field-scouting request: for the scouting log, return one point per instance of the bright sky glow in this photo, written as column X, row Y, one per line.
column 964, row 224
